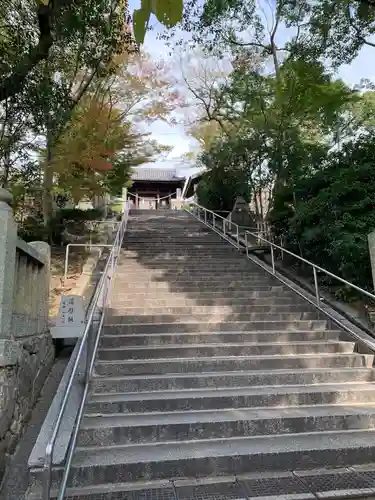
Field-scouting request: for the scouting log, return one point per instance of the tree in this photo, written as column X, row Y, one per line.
column 333, row 213
column 337, row 29
column 96, row 152
column 59, row 21
column 220, row 187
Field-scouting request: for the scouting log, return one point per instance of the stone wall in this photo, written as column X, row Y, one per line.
column 26, row 348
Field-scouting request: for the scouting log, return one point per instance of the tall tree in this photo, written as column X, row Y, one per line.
column 57, row 22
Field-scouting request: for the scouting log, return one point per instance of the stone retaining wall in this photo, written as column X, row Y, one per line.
column 26, row 348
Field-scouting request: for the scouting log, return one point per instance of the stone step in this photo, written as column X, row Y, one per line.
column 199, row 253
column 122, row 463
column 206, row 295
column 224, row 349
column 182, row 276
column 146, row 310
column 163, row 289
column 173, row 246
column 116, row 326
column 169, row 244
column 185, row 399
column 273, row 337
column 158, row 427
column 191, row 281
column 128, row 259
column 156, row 232
column 212, row 317
column 231, row 363
column 229, row 266
column 180, row 238
column 178, row 301
column 355, row 482
column 196, row 282
column 216, row 369
column 195, row 286
column 214, row 380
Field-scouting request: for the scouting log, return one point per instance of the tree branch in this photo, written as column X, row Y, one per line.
column 357, row 30
column 12, row 84
column 246, row 44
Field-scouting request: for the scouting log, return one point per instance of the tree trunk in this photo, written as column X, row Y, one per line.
column 6, row 171
column 48, row 184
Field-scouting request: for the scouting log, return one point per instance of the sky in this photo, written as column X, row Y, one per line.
column 175, row 135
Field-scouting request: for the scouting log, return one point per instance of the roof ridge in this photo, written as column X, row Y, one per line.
column 156, row 174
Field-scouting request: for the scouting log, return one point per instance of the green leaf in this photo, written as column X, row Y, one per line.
column 140, row 18
column 363, row 11
column 168, row 12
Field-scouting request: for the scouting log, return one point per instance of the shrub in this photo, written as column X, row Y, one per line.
column 77, row 214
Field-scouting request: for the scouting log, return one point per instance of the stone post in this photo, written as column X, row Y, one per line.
column 43, row 284
column 9, row 349
column 124, row 197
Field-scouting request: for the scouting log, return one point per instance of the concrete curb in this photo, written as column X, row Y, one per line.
column 87, row 284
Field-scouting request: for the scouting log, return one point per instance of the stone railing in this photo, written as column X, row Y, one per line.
column 26, row 348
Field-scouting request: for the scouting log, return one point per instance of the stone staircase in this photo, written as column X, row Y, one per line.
column 213, row 381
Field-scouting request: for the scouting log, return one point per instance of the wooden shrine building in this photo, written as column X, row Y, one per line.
column 154, row 188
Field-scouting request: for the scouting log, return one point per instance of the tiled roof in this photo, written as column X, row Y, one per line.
column 155, row 174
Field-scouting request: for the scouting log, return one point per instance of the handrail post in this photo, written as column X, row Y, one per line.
column 213, row 220
column 205, row 216
column 273, row 259
column 316, row 285
column 246, row 245
column 238, row 236
column 89, row 344
column 66, row 261
column 47, row 478
column 225, row 227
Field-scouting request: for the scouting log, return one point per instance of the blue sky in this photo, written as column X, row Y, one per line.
column 175, row 135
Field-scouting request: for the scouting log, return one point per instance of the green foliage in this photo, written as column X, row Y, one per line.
column 220, row 187
column 337, row 29
column 332, row 212
column 32, row 229
column 287, row 128
column 116, row 208
column 77, row 214
column 167, row 12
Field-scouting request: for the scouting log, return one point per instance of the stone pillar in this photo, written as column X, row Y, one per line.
column 43, row 285
column 124, row 197
column 9, row 351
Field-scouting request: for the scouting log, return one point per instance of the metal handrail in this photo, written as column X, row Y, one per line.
column 317, row 302
column 315, row 267
column 213, row 225
column 98, row 305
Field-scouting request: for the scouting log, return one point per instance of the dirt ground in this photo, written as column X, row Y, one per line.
column 77, row 257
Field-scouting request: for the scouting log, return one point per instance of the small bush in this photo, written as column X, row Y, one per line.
column 116, row 208
column 77, row 214
column 33, row 229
